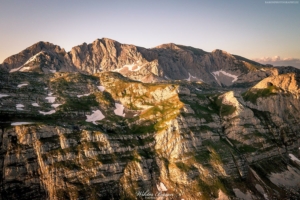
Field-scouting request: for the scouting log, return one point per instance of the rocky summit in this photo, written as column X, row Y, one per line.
column 115, row 121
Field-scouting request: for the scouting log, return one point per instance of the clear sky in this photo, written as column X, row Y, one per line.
column 250, row 28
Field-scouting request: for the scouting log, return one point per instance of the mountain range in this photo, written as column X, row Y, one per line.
column 162, row 63
column 114, row 121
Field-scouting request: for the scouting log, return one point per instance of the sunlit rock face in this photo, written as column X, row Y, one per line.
column 101, row 134
column 162, row 63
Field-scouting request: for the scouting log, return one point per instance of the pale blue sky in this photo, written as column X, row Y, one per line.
column 250, row 28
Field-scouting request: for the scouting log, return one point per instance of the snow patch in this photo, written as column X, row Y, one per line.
column 101, row 88
column 97, row 115
column 24, row 69
column 119, row 110
column 16, row 69
column 55, row 105
column 294, row 158
column 20, row 123
column 35, row 104
column 47, row 113
column 52, row 71
column 50, row 94
column 239, row 194
column 129, row 67
column 161, row 187
column 50, row 99
column 217, row 73
column 167, row 78
column 46, row 88
column 20, row 106
column 83, row 95
column 32, row 58
column 289, row 177
column 22, row 85
column 198, row 89
column 190, row 76
column 3, row 95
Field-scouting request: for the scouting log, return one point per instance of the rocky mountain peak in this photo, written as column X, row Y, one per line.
column 171, row 46
column 21, row 58
column 219, row 52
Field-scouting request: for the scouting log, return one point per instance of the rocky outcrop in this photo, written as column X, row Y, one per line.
column 286, row 82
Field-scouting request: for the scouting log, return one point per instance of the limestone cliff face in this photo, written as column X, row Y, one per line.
column 176, row 139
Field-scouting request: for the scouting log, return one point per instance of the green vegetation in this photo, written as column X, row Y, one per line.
column 197, row 52
column 202, row 156
column 252, row 95
column 147, row 127
column 224, row 108
column 201, row 111
column 227, row 110
column 147, row 153
column 76, row 135
column 210, row 188
column 184, row 167
column 243, row 148
column 79, row 104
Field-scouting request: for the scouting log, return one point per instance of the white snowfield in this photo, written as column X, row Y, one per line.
column 52, row 71
column 161, row 187
column 55, row 105
column 83, row 95
column 47, row 113
column 20, row 123
column 35, row 105
column 22, row 85
column 51, row 99
column 24, row 69
column 3, row 95
column 294, row 158
column 198, row 89
column 217, row 73
column 101, row 88
column 119, row 110
column 97, row 115
column 167, row 78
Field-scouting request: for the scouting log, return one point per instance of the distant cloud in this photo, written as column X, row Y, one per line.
column 277, row 61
